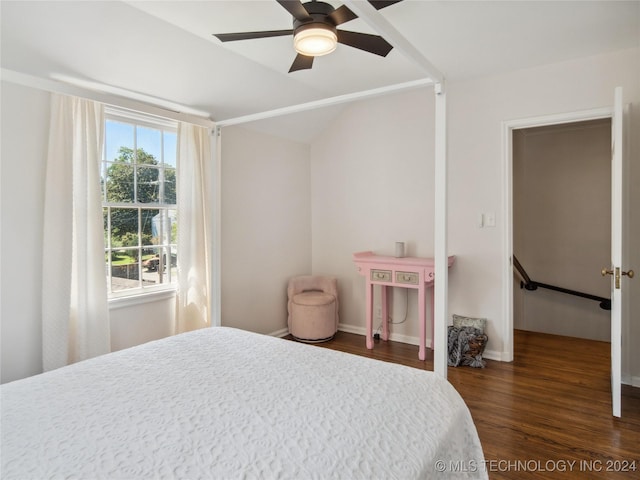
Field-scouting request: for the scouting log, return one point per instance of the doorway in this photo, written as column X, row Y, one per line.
column 508, row 129
column 561, row 180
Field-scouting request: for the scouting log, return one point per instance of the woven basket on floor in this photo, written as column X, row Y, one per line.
column 476, row 345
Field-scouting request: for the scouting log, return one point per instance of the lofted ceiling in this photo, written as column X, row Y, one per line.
column 166, row 50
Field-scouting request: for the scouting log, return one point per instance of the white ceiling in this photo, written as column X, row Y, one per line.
column 166, row 49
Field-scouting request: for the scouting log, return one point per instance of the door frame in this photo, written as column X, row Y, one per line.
column 507, row 200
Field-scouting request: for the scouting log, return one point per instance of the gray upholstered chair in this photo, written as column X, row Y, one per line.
column 313, row 308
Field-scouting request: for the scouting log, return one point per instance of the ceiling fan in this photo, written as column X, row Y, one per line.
column 314, row 31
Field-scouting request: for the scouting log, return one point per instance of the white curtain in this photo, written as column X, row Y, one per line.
column 75, row 313
column 193, row 302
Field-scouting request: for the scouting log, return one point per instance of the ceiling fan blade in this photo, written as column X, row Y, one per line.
column 364, row 41
column 378, row 4
column 302, row 62
column 341, row 15
column 230, row 37
column 295, row 8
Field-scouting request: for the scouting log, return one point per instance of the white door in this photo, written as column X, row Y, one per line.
column 618, row 275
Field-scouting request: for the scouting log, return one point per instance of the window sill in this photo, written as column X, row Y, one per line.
column 147, row 297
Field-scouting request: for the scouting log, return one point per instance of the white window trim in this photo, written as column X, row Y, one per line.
column 130, row 300
column 124, row 115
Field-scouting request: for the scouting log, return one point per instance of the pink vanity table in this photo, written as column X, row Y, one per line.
column 405, row 272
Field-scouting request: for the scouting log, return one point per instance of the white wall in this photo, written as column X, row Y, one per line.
column 266, row 230
column 25, row 130
column 283, row 215
column 24, row 139
column 476, row 112
column 266, row 224
column 147, row 320
column 372, row 185
column 372, row 170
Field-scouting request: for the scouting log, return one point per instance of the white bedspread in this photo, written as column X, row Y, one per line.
column 222, row 403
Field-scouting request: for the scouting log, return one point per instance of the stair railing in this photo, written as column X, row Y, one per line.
column 531, row 285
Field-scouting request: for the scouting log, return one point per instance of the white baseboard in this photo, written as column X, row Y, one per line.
column 488, row 354
column 492, row 355
column 343, row 327
column 283, row 332
column 394, row 337
column 630, row 380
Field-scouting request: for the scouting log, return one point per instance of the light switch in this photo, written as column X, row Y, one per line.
column 480, row 220
column 490, row 219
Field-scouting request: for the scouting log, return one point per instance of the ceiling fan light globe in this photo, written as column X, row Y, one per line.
column 315, row 42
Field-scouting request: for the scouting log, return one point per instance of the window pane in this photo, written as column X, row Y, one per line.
column 103, row 181
column 125, row 269
column 120, row 182
column 148, row 226
column 124, row 227
column 173, row 249
column 138, row 179
column 173, row 217
column 161, row 227
column 150, row 262
column 105, row 225
column 118, row 136
column 148, row 184
column 170, row 148
column 149, row 143
column 154, row 267
column 171, row 265
column 170, row 186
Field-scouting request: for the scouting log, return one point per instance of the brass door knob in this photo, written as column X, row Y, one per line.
column 618, row 274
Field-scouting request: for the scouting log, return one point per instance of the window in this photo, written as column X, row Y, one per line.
column 139, row 202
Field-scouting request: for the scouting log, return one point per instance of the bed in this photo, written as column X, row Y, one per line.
column 222, row 403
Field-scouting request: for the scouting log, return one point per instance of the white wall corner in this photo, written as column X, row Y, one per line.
column 495, row 355
column 631, row 380
column 283, row 332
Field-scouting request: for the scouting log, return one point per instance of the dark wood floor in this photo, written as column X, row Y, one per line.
column 536, row 415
